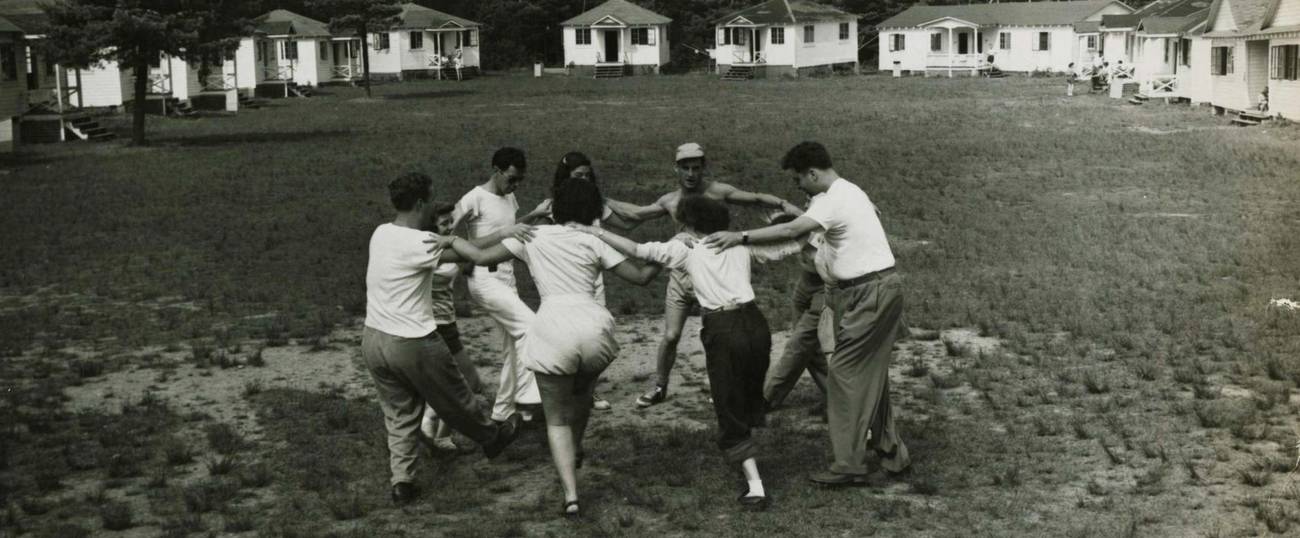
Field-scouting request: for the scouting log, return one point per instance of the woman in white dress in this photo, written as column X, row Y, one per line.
column 570, row 340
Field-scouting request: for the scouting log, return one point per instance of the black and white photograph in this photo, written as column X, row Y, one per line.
column 629, row 268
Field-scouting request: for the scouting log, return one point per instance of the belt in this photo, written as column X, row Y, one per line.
column 865, row 278
column 726, row 307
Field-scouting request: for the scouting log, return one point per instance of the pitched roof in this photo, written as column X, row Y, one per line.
column 285, row 22
column 1087, row 27
column 626, row 12
column 787, row 12
column 27, row 15
column 1173, row 25
column 417, row 17
column 6, row 26
column 1248, row 14
column 1002, row 14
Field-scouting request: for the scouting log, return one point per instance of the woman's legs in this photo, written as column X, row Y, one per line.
column 561, row 408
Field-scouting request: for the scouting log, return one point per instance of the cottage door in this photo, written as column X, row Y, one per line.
column 963, row 43
column 611, row 45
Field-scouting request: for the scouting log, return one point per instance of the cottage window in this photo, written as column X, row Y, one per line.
column 1092, row 42
column 844, row 31
column 260, row 51
column 898, row 42
column 1285, row 62
column 936, row 42
column 381, row 41
column 1004, row 40
column 417, row 40
column 778, row 36
column 808, row 34
column 472, row 38
column 640, row 36
column 8, row 62
column 289, row 50
column 1185, row 52
column 582, row 36
column 324, row 50
column 1166, row 50
column 1221, row 61
column 1044, row 41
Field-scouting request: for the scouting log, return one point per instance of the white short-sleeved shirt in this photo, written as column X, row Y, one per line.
column 564, row 261
column 854, row 242
column 720, row 278
column 399, row 277
column 485, row 213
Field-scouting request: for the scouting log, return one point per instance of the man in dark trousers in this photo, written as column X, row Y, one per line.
column 407, row 359
column 866, row 296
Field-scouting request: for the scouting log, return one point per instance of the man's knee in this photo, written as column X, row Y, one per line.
column 672, row 337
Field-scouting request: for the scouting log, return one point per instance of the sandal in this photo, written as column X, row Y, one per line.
column 570, row 510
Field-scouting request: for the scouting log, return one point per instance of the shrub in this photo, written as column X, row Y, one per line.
column 177, row 452
column 224, row 438
column 257, row 475
column 221, row 465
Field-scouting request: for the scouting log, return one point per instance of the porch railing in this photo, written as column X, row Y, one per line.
column 160, row 83
column 952, row 60
column 1162, row 85
column 346, row 71
column 219, row 83
column 278, row 72
column 1122, row 71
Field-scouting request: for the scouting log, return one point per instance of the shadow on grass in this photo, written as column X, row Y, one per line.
column 429, row 95
column 233, row 139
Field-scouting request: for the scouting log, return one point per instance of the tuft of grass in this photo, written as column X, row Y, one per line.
column 116, row 516
column 221, row 465
column 943, row 382
column 1254, row 476
column 86, row 368
column 346, row 506
column 257, row 358
column 253, row 388
column 224, row 438
column 239, row 521
column 1275, row 516
column 955, row 348
column 257, row 475
column 177, row 452
column 917, row 368
column 1095, row 382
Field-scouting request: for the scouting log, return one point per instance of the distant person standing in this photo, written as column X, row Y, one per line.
column 489, row 214
column 406, row 357
column 866, row 296
column 693, row 179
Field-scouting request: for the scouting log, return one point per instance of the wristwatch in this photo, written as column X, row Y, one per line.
column 744, row 238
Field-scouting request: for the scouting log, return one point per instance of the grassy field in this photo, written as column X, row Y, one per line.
column 1100, row 273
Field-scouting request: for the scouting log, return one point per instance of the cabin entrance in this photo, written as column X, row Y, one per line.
column 611, row 45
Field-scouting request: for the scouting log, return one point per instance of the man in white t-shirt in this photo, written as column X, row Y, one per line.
column 866, row 297
column 488, row 212
column 407, row 359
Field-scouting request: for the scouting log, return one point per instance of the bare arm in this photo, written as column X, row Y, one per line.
column 623, row 245
column 639, row 274
column 616, row 222
column 635, row 213
column 519, row 231
column 739, row 197
column 468, row 251
column 787, row 231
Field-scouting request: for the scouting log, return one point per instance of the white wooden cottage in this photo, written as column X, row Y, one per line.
column 426, row 43
column 1017, row 36
column 1239, row 53
column 616, row 38
column 1157, row 47
column 785, row 37
column 1255, row 46
column 288, row 50
column 13, row 84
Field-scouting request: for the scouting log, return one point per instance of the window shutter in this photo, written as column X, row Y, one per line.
column 650, row 35
column 1229, row 51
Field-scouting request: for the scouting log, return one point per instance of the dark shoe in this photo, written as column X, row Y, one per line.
column 506, row 434
column 570, row 510
column 405, row 492
column 754, row 504
column 654, row 396
column 832, row 479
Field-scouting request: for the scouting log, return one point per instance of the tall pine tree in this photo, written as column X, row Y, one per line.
column 135, row 33
column 362, row 17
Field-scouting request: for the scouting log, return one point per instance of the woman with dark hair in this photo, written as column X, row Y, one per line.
column 576, row 166
column 570, row 340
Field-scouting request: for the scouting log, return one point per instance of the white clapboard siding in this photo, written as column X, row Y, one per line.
column 1284, row 95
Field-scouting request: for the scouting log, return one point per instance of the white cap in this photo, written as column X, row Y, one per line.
column 690, row 150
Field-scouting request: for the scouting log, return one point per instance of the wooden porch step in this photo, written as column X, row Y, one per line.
column 739, row 72
column 609, row 71
column 1243, row 122
column 1254, row 116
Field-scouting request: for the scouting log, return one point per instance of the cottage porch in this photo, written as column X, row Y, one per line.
column 956, row 46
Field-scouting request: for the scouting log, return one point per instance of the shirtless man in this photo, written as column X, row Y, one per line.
column 692, row 173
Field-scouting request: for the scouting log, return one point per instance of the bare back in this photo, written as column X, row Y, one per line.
column 715, row 190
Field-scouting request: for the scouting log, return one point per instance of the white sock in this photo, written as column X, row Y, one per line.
column 756, row 489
